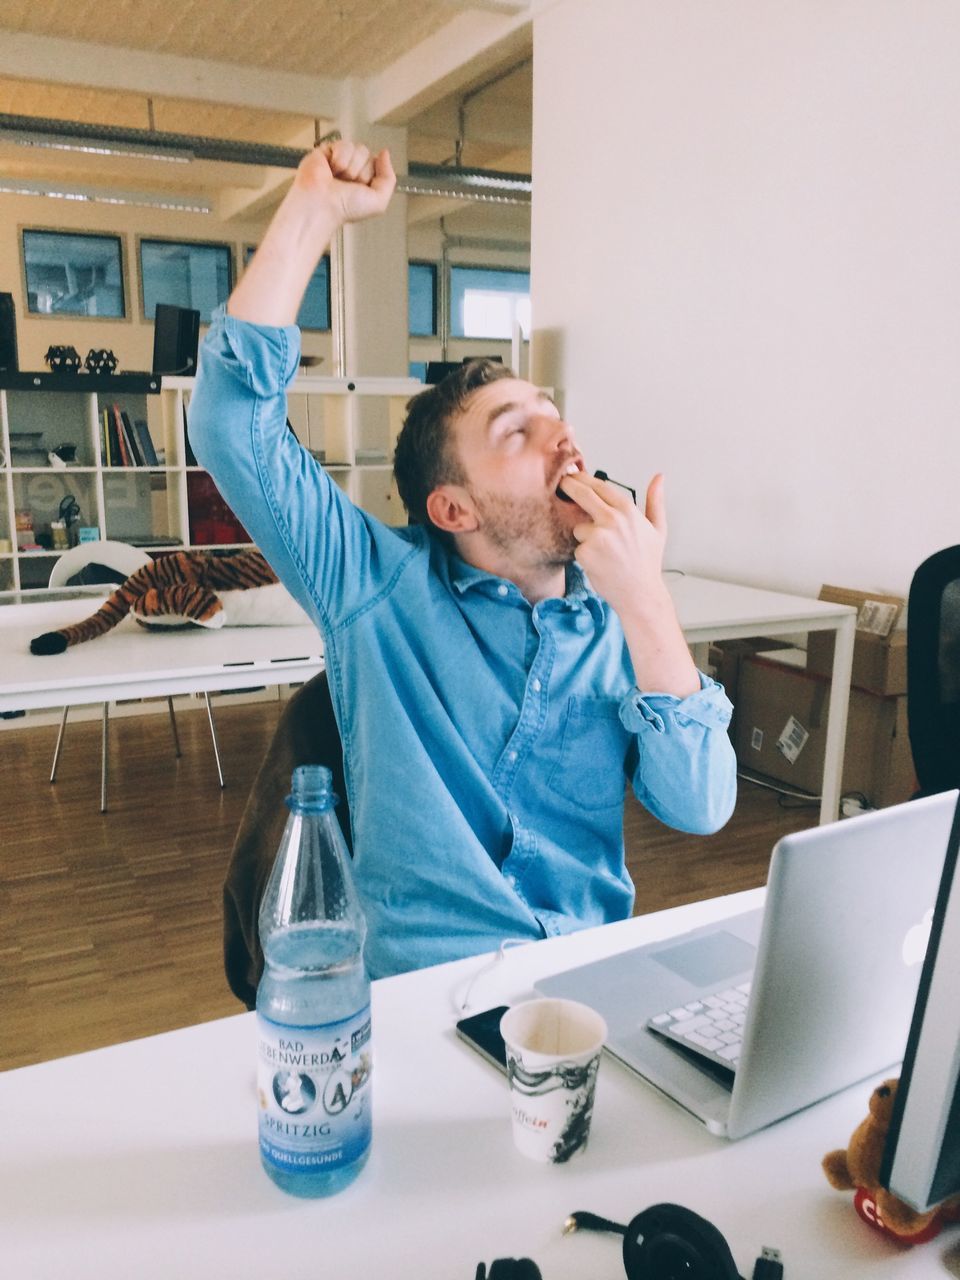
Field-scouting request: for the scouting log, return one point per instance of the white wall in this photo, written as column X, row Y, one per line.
column 746, row 272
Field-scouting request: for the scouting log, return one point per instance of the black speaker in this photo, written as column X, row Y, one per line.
column 8, row 334
column 176, row 335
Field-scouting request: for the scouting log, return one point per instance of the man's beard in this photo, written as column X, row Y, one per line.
column 521, row 526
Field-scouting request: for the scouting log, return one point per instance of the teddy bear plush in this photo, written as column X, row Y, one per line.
column 858, row 1168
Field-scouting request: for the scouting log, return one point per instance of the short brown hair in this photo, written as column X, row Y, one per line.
column 425, row 456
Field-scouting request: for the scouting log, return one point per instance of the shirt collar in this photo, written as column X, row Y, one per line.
column 464, row 576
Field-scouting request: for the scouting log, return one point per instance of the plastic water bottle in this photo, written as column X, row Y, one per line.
column 313, row 1003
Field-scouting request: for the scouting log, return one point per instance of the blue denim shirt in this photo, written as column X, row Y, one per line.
column 486, row 740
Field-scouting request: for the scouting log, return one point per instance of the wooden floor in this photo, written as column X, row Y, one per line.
column 110, row 924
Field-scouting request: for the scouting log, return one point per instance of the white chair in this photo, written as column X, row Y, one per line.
column 126, row 560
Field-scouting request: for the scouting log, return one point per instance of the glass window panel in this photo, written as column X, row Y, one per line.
column 314, row 311
column 195, row 276
column 485, row 302
column 422, row 289
column 73, row 274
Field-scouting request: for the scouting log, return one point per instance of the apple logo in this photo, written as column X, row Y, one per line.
column 915, row 940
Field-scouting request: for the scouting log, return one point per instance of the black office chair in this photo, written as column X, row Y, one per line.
column 307, row 733
column 933, row 671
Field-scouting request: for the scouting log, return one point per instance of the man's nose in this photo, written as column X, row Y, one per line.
column 560, row 435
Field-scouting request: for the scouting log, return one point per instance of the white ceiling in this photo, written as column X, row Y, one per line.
column 256, row 71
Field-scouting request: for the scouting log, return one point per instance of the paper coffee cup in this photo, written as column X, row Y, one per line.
column 553, row 1054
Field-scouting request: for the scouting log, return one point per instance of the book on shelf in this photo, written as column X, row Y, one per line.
column 105, row 456
column 114, row 455
column 125, row 460
column 145, row 441
column 133, row 444
column 190, row 456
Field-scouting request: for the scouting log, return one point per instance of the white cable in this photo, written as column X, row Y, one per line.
column 461, row 1005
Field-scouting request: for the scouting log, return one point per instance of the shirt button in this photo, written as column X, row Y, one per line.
column 537, row 686
column 511, row 755
column 502, row 589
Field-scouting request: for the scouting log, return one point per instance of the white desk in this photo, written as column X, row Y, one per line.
column 141, row 1160
column 132, row 663
column 711, row 610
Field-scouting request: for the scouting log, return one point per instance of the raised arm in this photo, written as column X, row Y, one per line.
column 336, row 183
column 302, row 522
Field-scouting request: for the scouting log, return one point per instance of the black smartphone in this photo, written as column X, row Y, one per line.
column 482, row 1032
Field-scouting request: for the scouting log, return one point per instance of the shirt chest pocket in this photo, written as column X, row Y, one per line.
column 589, row 770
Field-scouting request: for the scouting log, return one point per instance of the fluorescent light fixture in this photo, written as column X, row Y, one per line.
column 485, row 186
column 50, row 142
column 188, row 204
column 54, row 144
column 150, row 144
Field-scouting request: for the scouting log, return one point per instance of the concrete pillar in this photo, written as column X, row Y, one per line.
column 371, row 324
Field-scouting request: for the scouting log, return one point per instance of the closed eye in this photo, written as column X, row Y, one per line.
column 512, row 427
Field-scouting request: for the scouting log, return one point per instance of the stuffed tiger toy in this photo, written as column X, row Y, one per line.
column 199, row 588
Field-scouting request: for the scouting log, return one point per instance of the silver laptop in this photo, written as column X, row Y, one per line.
column 833, row 962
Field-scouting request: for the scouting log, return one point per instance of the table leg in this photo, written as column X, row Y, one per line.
column 213, row 735
column 57, row 749
column 173, row 729
column 103, row 757
column 837, row 719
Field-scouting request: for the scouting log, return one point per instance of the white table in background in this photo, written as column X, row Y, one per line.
column 712, row 610
column 141, row 1160
column 132, row 663
column 135, row 662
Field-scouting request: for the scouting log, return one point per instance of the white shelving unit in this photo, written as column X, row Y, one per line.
column 350, row 424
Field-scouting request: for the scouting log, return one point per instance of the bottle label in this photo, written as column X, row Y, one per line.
column 314, row 1093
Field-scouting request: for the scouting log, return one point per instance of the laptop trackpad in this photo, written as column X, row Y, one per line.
column 708, row 960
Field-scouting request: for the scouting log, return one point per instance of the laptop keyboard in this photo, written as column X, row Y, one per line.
column 712, row 1027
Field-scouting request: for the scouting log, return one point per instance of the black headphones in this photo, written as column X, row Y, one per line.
column 664, row 1242
column 668, row 1242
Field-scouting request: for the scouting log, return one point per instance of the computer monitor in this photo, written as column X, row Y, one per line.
column 8, row 334
column 437, row 370
column 921, row 1159
column 176, row 335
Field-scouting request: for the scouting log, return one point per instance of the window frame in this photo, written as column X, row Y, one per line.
column 24, row 229
column 435, row 270
column 250, row 249
column 475, row 266
column 186, row 242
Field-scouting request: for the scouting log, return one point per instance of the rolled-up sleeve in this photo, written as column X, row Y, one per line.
column 686, row 771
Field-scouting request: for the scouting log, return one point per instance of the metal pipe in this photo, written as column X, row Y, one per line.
column 481, row 185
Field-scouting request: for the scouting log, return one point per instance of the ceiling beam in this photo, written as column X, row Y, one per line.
column 76, row 62
column 492, row 6
column 455, row 57
column 430, row 209
column 244, row 201
column 239, row 202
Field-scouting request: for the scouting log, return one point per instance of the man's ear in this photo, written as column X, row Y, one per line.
column 451, row 509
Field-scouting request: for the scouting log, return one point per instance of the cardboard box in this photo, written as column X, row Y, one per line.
column 880, row 646
column 782, row 728
column 725, row 659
